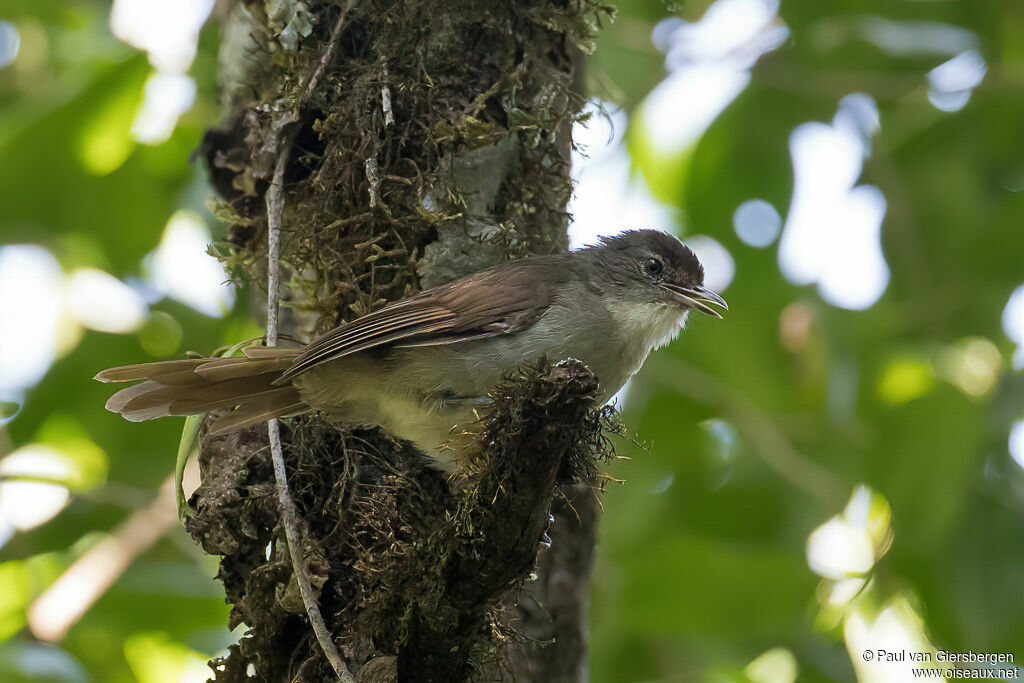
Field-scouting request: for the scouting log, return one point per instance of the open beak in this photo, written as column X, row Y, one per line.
column 696, row 297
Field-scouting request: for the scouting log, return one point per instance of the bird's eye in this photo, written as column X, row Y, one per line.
column 653, row 267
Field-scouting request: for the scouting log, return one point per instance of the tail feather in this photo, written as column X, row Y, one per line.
column 259, row 352
column 222, row 369
column 202, row 404
column 164, row 372
column 241, row 385
column 117, row 402
column 261, row 410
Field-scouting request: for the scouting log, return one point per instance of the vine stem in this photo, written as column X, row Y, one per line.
column 289, row 514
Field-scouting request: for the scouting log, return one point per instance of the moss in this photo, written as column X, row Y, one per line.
column 401, row 553
column 484, row 76
column 466, row 166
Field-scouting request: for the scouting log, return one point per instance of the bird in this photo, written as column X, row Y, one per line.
column 421, row 367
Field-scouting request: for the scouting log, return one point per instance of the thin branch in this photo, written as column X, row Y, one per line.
column 291, row 531
column 332, row 47
column 274, row 196
column 289, row 515
column 90, row 576
column 373, row 178
column 385, row 99
column 767, row 439
column 275, row 208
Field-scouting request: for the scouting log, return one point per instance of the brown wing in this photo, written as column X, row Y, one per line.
column 504, row 299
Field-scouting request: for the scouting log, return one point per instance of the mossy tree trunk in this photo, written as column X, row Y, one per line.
column 425, row 140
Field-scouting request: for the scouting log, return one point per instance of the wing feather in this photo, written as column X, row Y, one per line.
column 360, row 335
column 502, row 300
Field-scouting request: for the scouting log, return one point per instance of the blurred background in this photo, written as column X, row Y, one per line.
column 837, row 466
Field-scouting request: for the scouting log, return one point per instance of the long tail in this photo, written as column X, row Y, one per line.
column 240, row 387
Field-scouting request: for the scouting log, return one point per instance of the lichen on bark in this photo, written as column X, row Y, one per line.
column 410, row 564
column 435, row 143
column 467, row 167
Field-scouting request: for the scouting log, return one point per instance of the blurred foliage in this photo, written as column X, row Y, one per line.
column 709, row 570
column 761, row 426
column 75, row 181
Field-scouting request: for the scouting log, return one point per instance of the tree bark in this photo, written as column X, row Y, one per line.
column 427, row 141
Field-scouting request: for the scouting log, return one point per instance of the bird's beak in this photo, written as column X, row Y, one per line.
column 696, row 297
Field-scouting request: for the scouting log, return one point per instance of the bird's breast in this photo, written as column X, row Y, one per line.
column 643, row 328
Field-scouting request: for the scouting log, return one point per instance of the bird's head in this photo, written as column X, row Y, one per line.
column 653, row 267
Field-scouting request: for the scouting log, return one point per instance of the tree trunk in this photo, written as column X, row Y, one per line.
column 424, row 141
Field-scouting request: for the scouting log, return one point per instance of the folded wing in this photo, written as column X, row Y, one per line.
column 502, row 300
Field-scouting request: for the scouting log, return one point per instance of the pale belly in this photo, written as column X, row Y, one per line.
column 433, row 396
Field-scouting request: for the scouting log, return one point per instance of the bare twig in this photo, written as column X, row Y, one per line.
column 768, row 441
column 385, row 98
column 332, row 47
column 291, row 531
column 373, row 178
column 275, row 208
column 90, row 576
column 389, row 115
column 289, row 515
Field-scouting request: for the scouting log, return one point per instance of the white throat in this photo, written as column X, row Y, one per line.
column 647, row 327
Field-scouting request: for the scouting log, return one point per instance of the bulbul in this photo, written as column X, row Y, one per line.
column 420, row 367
